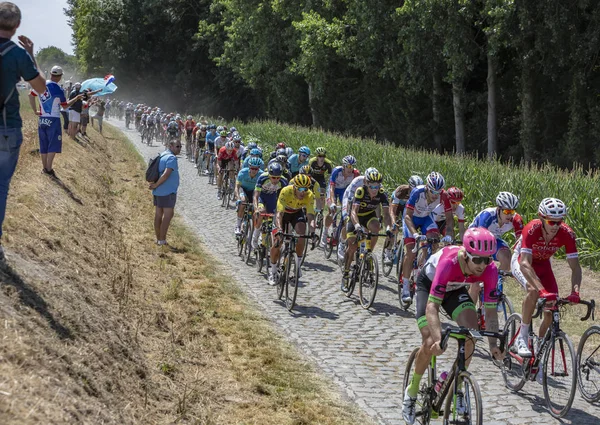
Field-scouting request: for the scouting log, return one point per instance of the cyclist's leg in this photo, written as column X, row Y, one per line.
column 459, row 305
column 299, row 223
column 373, row 226
column 546, row 275
column 409, row 243
column 351, row 245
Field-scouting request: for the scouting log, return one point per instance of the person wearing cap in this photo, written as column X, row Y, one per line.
column 49, row 128
column 18, row 63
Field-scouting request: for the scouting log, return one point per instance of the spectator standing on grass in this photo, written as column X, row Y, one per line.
column 165, row 191
column 76, row 107
column 85, row 117
column 49, row 128
column 17, row 62
column 99, row 114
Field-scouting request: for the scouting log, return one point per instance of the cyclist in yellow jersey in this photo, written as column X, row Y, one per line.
column 315, row 188
column 290, row 203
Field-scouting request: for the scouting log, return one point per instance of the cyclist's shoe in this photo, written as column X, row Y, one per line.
column 345, row 281
column 388, row 257
column 237, row 231
column 255, row 243
column 522, row 347
column 272, row 278
column 206, row 172
column 341, row 250
column 409, row 408
column 406, row 298
column 219, row 196
column 461, row 409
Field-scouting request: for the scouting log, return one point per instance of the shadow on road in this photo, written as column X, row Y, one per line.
column 308, row 266
column 574, row 416
column 314, row 312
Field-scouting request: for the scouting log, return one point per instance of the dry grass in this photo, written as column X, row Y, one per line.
column 98, row 325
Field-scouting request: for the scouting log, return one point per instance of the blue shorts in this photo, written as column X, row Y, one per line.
column 50, row 132
column 425, row 224
column 338, row 194
column 500, row 244
column 270, row 203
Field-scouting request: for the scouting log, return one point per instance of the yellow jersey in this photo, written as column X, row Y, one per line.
column 290, row 203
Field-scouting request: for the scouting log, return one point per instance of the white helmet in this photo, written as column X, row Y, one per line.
column 415, row 181
column 189, row 117
column 507, row 200
column 552, row 208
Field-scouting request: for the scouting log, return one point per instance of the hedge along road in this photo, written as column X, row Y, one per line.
column 364, row 352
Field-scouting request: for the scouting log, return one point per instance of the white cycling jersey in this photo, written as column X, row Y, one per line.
column 349, row 193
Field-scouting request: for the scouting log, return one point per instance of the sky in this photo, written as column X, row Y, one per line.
column 45, row 23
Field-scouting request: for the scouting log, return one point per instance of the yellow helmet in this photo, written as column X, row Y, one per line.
column 373, row 176
column 301, row 180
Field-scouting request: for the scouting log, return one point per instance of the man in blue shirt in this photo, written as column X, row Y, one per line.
column 165, row 190
column 17, row 63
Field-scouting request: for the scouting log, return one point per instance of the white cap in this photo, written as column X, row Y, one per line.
column 78, row 84
column 56, row 70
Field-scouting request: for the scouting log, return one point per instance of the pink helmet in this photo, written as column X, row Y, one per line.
column 479, row 241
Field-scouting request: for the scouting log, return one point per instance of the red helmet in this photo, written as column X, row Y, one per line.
column 455, row 194
column 280, row 145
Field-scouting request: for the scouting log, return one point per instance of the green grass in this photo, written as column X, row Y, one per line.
column 481, row 180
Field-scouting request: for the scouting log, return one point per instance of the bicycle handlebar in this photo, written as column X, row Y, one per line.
column 422, row 238
column 477, row 335
column 505, row 273
column 591, row 306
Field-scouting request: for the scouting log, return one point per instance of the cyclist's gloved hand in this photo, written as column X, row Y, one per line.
column 394, row 227
column 446, row 239
column 574, row 297
column 417, row 236
column 389, row 232
column 359, row 231
column 276, row 232
column 549, row 296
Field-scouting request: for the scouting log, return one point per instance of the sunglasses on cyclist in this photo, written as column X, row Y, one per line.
column 509, row 212
column 302, row 189
column 374, row 186
column 479, row 260
column 553, row 222
column 320, row 156
column 303, row 155
column 274, row 177
column 177, row 146
column 254, row 168
column 435, row 192
column 455, row 202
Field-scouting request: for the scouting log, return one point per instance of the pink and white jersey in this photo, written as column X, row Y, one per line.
column 446, row 275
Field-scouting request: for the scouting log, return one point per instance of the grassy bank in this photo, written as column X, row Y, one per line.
column 481, row 180
column 102, row 326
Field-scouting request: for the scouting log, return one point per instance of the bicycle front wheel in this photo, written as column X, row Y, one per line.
column 588, row 364
column 559, row 375
column 368, row 279
column 470, row 411
column 513, row 366
column 423, row 405
column 291, row 281
column 248, row 241
column 386, row 268
column 505, row 310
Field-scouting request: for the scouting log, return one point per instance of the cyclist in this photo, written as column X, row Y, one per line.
column 442, row 282
column 211, row 136
column 172, row 129
column 221, row 140
column 455, row 195
column 369, row 200
column 237, row 142
column 292, row 201
column 189, row 126
column 276, row 152
column 340, row 179
column 399, row 198
column 266, row 192
column 298, row 160
column 282, row 159
column 531, row 266
column 244, row 187
column 254, row 153
column 314, row 187
column 420, row 205
column 227, row 154
column 320, row 166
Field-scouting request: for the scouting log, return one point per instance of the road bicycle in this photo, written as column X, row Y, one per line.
column 505, row 306
column 555, row 352
column 588, row 363
column 365, row 270
column 397, row 244
column 287, row 269
column 459, row 383
column 244, row 239
column 423, row 250
column 227, row 190
column 263, row 251
column 333, row 233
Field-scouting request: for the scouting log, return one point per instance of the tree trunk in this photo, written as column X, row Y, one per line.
column 492, row 131
column 311, row 101
column 435, row 106
column 459, row 117
column 527, row 111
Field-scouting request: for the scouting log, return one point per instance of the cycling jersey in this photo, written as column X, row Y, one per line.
column 489, row 218
column 247, row 182
column 189, row 125
column 446, row 275
column 220, row 141
column 367, row 204
column 349, row 194
column 268, row 191
column 339, row 183
column 289, row 203
column 532, row 241
column 319, row 171
column 440, row 215
column 210, row 138
column 295, row 163
column 172, row 127
column 401, row 195
column 417, row 202
column 224, row 156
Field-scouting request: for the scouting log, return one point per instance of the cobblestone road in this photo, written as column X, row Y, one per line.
column 364, row 352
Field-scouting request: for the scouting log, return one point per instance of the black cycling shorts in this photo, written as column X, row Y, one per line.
column 454, row 301
column 293, row 218
column 363, row 220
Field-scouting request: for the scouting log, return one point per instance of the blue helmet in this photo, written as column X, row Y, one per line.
column 435, row 181
column 256, row 162
column 252, row 145
column 255, row 152
column 348, row 160
column 275, row 169
column 305, row 150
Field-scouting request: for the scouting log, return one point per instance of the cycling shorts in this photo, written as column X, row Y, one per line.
column 500, row 244
column 223, row 163
column 425, row 224
column 293, row 218
column 363, row 220
column 454, row 302
column 249, row 194
column 543, row 270
column 269, row 205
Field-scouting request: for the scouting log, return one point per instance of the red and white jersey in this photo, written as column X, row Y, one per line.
column 532, row 241
column 223, row 155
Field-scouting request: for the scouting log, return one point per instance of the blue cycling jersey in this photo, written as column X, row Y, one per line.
column 246, row 181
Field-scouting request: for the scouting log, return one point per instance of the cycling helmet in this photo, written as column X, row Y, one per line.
column 289, row 151
column 281, row 152
column 233, row 129
column 414, row 181
column 229, row 145
column 203, row 127
column 305, row 169
column 280, row 145
column 373, row 176
column 275, row 169
column 237, row 137
column 282, row 159
column 301, row 180
column 252, row 145
column 348, row 160
column 189, row 117
column 255, row 152
column 220, row 129
column 223, row 133
column 435, row 181
column 552, row 208
column 305, row 150
column 212, row 127
column 455, row 194
column 479, row 241
column 320, row 151
column 507, row 200
column 255, row 162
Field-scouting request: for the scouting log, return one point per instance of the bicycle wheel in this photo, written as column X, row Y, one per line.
column 468, row 388
column 211, row 171
column 588, row 364
column 305, row 251
column 353, row 277
column 399, row 256
column 319, row 222
column 386, row 268
column 248, row 245
column 331, row 235
column 341, row 246
column 241, row 242
column 513, row 367
column 200, row 164
column 560, row 377
column 284, row 259
column 423, row 405
column 259, row 255
column 505, row 310
column 368, row 279
column 291, row 281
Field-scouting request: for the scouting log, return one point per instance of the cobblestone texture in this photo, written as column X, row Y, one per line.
column 364, row 352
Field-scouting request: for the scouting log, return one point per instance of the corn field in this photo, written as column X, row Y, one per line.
column 481, row 180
